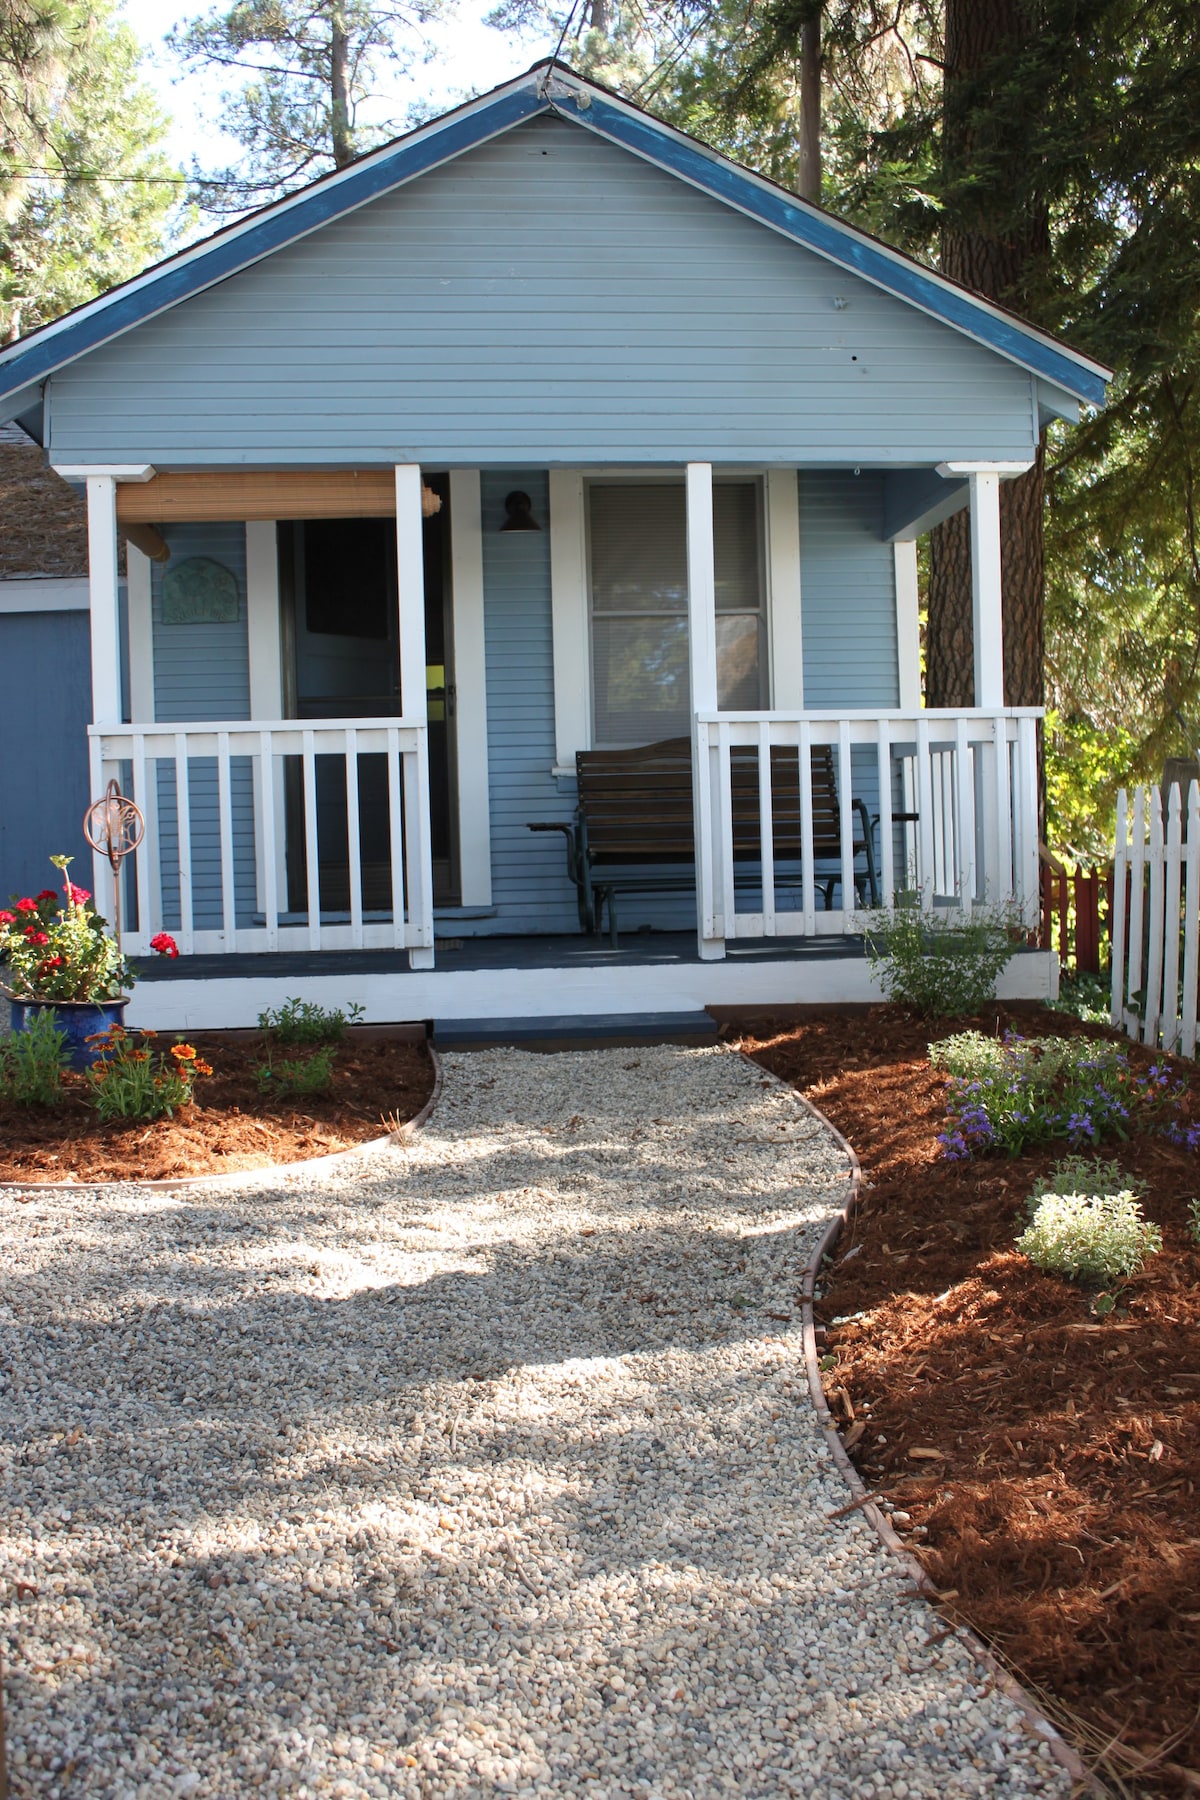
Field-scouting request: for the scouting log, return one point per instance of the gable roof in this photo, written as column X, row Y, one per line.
column 549, row 87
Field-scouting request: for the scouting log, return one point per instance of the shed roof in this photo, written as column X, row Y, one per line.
column 549, row 87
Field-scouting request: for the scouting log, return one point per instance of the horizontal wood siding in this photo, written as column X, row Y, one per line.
column 546, row 298
column 45, row 703
column 530, row 889
column 202, row 671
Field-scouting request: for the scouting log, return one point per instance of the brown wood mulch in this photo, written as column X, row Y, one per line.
column 1046, row 1464
column 378, row 1083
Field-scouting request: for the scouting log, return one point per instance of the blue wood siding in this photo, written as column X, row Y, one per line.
column 545, row 298
column 202, row 671
column 529, row 885
column 847, row 593
column 45, row 704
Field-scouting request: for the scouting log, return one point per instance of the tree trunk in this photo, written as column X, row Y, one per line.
column 809, row 184
column 339, row 87
column 986, row 248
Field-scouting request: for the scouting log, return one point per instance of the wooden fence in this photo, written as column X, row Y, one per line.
column 1156, row 917
column 1073, row 906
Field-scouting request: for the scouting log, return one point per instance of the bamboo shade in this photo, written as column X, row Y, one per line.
column 261, row 494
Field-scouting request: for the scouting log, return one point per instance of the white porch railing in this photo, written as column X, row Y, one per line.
column 967, row 781
column 255, row 834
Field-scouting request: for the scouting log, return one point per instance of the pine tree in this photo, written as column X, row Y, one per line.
column 86, row 192
column 306, row 68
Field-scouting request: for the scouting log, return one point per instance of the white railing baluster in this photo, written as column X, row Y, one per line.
column 1025, row 813
column 766, row 814
column 225, row 832
column 887, row 845
column 1000, row 884
column 183, row 821
column 711, row 927
column 312, row 857
column 808, row 874
column 926, row 873
column 725, row 816
column 267, row 842
column 1191, row 923
column 352, row 837
column 1154, row 965
column 396, row 839
column 1172, row 873
column 845, row 784
column 965, row 876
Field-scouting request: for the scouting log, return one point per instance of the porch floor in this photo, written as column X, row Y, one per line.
column 638, row 949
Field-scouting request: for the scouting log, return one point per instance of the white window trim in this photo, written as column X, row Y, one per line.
column 570, row 589
column 140, row 626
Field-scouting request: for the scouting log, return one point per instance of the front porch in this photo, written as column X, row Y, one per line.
column 654, row 975
column 273, row 835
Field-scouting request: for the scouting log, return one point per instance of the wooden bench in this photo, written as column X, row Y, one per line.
column 634, row 832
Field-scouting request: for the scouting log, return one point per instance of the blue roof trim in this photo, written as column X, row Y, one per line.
column 284, row 223
column 725, row 181
column 275, row 229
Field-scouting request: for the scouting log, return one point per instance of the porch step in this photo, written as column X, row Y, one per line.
column 576, row 1031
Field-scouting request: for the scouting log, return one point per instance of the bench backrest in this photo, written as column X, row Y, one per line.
column 637, row 803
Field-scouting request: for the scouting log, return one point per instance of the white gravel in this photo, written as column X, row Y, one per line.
column 482, row 1467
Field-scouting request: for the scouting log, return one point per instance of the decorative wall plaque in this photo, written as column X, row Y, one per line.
column 199, row 591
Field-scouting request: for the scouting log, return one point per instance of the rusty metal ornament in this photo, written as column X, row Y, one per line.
column 114, row 827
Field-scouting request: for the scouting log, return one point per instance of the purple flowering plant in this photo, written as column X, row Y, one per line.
column 1008, row 1094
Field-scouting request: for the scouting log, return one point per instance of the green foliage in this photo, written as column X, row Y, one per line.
column 1194, row 1219
column 56, row 949
column 303, row 1022
column 86, row 191
column 1077, row 1174
column 309, row 1074
column 132, row 1081
column 1089, row 1237
column 1012, row 1093
column 32, row 1061
column 1083, row 996
column 942, row 965
column 304, row 68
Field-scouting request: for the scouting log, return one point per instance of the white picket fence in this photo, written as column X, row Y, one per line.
column 1156, row 918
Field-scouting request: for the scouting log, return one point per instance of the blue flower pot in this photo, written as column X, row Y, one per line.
column 79, row 1019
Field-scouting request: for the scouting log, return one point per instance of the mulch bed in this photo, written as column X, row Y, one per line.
column 377, row 1084
column 1059, row 1514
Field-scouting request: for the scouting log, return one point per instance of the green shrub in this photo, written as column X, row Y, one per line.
column 303, row 1022
column 1084, row 1175
column 940, row 964
column 1089, row 1237
column 131, row 1081
column 32, row 1061
column 309, row 1074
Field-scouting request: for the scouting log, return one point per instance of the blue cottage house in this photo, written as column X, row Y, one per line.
column 543, row 432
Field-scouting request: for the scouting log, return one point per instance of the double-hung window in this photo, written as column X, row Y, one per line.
column 637, row 546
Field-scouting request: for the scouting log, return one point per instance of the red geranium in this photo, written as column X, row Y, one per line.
column 7, row 918
column 27, row 905
column 77, row 894
column 165, row 944
column 47, row 894
column 35, row 936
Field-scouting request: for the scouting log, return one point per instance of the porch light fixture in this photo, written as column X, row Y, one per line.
column 518, row 513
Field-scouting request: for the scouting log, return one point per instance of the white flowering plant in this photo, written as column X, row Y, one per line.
column 1091, row 1238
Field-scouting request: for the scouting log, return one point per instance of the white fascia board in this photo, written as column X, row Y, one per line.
column 45, row 593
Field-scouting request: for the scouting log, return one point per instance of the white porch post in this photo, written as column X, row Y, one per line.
column 410, row 593
column 105, row 627
column 702, row 671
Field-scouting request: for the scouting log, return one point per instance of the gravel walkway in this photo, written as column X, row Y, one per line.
column 486, row 1467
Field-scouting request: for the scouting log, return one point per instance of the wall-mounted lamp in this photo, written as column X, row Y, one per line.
column 518, row 511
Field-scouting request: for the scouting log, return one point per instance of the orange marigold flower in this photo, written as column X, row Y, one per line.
column 184, row 1052
column 203, row 1068
column 139, row 1056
